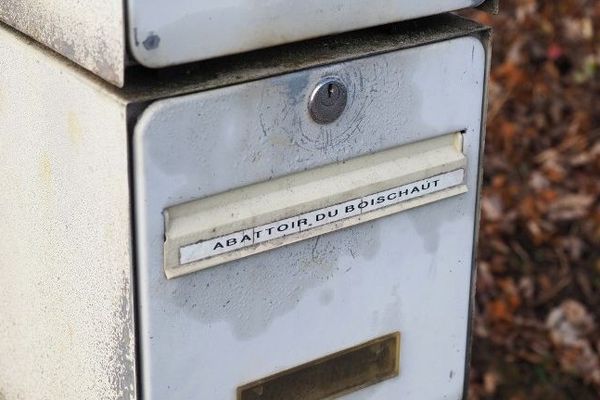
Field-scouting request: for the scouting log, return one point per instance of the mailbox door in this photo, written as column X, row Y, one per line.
column 209, row 331
column 166, row 33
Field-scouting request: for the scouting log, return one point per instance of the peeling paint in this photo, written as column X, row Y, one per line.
column 122, row 377
column 152, row 41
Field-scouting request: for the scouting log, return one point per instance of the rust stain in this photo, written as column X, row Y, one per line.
column 75, row 131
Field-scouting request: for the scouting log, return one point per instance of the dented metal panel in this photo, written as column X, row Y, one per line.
column 66, row 290
column 90, row 33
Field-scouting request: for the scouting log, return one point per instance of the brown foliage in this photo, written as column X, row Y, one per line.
column 538, row 291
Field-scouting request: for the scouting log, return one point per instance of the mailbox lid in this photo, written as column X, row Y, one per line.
column 99, row 35
column 166, row 33
column 205, row 334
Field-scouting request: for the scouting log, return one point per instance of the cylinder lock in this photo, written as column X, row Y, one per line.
column 328, row 101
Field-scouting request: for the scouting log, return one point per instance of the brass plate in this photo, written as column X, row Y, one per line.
column 332, row 376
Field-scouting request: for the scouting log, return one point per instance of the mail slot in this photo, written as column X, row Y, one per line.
column 293, row 223
column 261, row 217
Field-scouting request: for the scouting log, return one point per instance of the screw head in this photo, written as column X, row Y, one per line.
column 328, row 101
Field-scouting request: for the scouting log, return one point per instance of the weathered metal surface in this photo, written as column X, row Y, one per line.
column 409, row 272
column 94, row 34
column 89, row 32
column 59, row 339
column 162, row 34
column 66, row 308
column 145, row 84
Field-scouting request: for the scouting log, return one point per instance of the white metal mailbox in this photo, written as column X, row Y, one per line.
column 162, row 34
column 300, row 225
column 105, row 36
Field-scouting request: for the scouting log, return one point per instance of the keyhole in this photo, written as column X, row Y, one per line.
column 330, row 90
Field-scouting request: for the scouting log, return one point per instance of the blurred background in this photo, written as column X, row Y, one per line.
column 537, row 326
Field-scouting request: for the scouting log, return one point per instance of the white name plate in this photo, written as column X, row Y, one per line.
column 203, row 233
column 317, row 218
